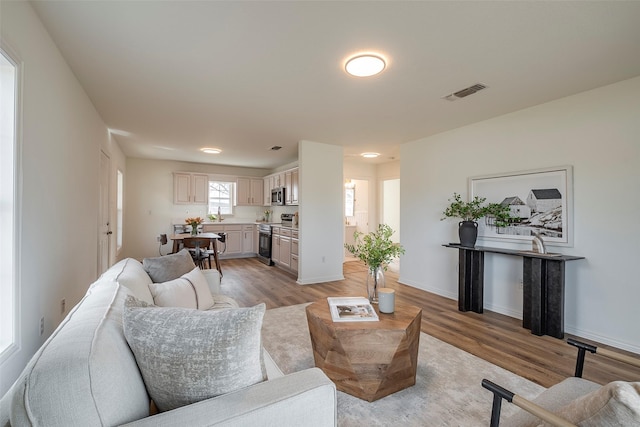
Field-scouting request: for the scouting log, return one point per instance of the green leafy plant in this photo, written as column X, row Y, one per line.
column 475, row 209
column 376, row 248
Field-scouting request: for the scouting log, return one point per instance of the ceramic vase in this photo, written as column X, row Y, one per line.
column 468, row 233
column 375, row 281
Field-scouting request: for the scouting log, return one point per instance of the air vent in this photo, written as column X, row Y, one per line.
column 465, row 92
column 276, row 148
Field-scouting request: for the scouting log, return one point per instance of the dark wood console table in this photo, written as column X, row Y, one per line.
column 542, row 286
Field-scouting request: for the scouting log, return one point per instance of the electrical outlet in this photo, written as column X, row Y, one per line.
column 42, row 326
column 520, row 284
column 63, row 305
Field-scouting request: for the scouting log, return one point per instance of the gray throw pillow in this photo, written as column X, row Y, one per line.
column 169, row 267
column 187, row 355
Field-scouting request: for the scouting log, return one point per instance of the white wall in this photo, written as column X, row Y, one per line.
column 596, row 132
column 61, row 139
column 321, row 212
column 149, row 208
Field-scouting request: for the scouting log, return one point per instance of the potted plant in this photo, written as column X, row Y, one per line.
column 470, row 212
column 376, row 250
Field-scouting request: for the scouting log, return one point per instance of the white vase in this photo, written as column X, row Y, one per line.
column 375, row 281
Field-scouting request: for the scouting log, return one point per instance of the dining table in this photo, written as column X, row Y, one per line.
column 213, row 239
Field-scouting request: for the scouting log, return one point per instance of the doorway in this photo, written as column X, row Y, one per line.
column 391, row 212
column 104, row 229
column 356, row 202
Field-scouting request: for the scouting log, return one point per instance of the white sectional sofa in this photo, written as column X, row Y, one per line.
column 85, row 374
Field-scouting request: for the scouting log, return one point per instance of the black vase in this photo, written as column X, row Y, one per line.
column 468, row 232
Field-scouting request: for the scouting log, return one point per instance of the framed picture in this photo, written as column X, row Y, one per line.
column 541, row 201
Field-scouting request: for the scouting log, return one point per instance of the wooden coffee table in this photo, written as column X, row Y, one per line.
column 368, row 360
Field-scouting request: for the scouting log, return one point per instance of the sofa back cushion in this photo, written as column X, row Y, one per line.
column 130, row 274
column 169, row 267
column 85, row 373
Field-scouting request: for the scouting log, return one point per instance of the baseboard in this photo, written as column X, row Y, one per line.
column 634, row 348
column 314, row 280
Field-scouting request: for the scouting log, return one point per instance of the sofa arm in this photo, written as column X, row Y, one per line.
column 303, row 398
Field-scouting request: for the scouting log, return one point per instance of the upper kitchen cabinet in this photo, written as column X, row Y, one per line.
column 287, row 179
column 190, row 188
column 291, row 185
column 250, row 192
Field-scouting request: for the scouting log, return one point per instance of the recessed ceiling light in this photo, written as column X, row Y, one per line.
column 365, row 65
column 211, row 150
column 370, row 155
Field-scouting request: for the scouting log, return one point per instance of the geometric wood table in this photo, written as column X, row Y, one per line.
column 368, row 360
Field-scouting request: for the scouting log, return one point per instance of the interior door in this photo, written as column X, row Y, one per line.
column 104, row 230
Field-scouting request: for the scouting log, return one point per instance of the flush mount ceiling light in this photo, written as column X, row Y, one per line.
column 370, row 155
column 365, row 65
column 211, row 150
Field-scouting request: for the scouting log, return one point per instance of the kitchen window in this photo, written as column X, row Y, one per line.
column 9, row 201
column 221, row 195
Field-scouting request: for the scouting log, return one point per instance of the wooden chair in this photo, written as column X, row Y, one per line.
column 559, row 398
column 200, row 249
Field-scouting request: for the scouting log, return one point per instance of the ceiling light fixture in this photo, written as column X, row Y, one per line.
column 211, row 150
column 365, row 65
column 370, row 155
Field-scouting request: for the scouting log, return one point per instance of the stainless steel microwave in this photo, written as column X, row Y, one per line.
column 277, row 196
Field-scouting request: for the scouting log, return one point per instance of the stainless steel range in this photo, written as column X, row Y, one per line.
column 264, row 244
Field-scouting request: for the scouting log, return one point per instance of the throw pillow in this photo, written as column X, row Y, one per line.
column 189, row 291
column 186, row 356
column 614, row 404
column 168, row 267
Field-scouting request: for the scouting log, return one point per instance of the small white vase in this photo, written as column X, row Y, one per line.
column 375, row 281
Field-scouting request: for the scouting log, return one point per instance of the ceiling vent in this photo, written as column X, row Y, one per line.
column 465, row 92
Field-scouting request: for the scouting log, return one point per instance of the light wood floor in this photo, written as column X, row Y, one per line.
column 496, row 338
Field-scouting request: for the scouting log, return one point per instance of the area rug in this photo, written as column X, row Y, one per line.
column 447, row 390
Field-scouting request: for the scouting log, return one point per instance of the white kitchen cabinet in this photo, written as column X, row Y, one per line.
column 250, row 192
column 234, row 239
column 247, row 239
column 294, row 250
column 291, row 184
column 275, row 245
column 190, row 188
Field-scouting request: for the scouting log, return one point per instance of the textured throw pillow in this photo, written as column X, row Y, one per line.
column 191, row 290
column 186, row 356
column 164, row 268
column 614, row 404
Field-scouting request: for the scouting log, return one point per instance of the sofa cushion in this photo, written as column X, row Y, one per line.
column 188, row 355
column 614, row 404
column 168, row 267
column 188, row 291
column 85, row 373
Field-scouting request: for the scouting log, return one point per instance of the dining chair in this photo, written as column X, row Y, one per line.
column 200, row 250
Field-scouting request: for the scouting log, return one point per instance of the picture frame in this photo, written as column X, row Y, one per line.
column 541, row 200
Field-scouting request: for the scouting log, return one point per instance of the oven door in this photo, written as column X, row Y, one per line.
column 264, row 247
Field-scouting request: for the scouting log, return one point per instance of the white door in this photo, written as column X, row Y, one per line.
column 104, row 230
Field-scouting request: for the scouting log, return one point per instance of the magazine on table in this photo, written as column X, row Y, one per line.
column 351, row 309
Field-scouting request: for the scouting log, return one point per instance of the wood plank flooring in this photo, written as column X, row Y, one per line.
column 496, row 338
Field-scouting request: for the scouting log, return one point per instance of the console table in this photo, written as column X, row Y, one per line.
column 542, row 286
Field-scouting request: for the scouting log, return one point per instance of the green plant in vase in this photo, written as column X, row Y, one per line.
column 376, row 250
column 470, row 212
